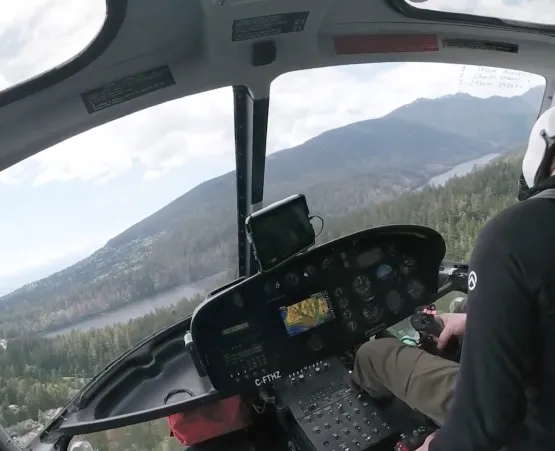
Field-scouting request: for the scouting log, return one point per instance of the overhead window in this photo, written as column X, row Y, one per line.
column 39, row 35
column 540, row 12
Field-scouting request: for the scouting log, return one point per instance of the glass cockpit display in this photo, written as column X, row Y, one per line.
column 307, row 314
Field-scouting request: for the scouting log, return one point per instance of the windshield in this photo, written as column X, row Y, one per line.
column 534, row 11
column 120, row 231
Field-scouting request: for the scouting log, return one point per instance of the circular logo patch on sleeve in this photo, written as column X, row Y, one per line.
column 472, row 280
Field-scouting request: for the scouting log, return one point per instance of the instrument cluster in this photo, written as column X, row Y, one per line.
column 317, row 305
column 380, row 284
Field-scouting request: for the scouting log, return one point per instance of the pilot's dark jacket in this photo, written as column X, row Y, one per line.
column 505, row 395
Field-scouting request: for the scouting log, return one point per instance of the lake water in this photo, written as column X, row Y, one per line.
column 170, row 297
column 141, row 308
column 460, row 170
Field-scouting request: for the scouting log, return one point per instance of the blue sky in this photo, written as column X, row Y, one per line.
column 69, row 200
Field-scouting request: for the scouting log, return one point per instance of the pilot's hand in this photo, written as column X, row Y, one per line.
column 426, row 444
column 454, row 324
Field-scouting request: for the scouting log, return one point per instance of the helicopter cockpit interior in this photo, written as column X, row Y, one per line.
column 281, row 338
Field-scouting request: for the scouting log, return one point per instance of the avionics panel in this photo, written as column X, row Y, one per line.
column 317, row 305
column 305, row 315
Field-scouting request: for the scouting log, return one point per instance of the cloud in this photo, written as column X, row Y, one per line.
column 37, row 35
column 12, row 176
column 159, row 139
column 200, row 127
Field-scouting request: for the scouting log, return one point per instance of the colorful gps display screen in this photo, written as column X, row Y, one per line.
column 307, row 314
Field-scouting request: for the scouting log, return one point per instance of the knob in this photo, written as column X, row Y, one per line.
column 357, row 410
column 357, row 427
column 327, row 425
column 348, row 417
column 301, row 377
column 319, row 414
column 337, row 420
column 293, row 381
column 312, row 407
column 350, row 402
column 317, row 369
column 340, row 407
column 335, row 437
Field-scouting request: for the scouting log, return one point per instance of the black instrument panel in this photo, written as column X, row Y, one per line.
column 319, row 304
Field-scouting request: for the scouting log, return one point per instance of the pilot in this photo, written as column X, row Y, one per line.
column 502, row 396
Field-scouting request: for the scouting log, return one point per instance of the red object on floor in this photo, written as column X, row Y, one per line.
column 210, row 421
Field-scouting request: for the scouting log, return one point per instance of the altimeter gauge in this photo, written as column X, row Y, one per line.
column 362, row 285
column 415, row 289
column 394, row 301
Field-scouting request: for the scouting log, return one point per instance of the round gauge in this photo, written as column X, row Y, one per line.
column 384, row 272
column 338, row 292
column 371, row 312
column 347, row 314
column 343, row 302
column 394, row 301
column 405, row 270
column 408, row 260
column 310, row 271
column 361, row 285
column 291, row 279
column 415, row 288
column 352, row 325
column 408, row 265
column 327, row 264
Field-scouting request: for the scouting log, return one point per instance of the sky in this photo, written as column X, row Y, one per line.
column 67, row 201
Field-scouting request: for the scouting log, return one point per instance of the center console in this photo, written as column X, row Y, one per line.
column 328, row 414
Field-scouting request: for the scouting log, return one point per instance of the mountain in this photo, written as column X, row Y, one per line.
column 340, row 171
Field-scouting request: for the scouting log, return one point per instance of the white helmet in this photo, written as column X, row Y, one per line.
column 539, row 154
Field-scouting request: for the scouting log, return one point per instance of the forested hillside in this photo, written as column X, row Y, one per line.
column 342, row 172
column 37, row 374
